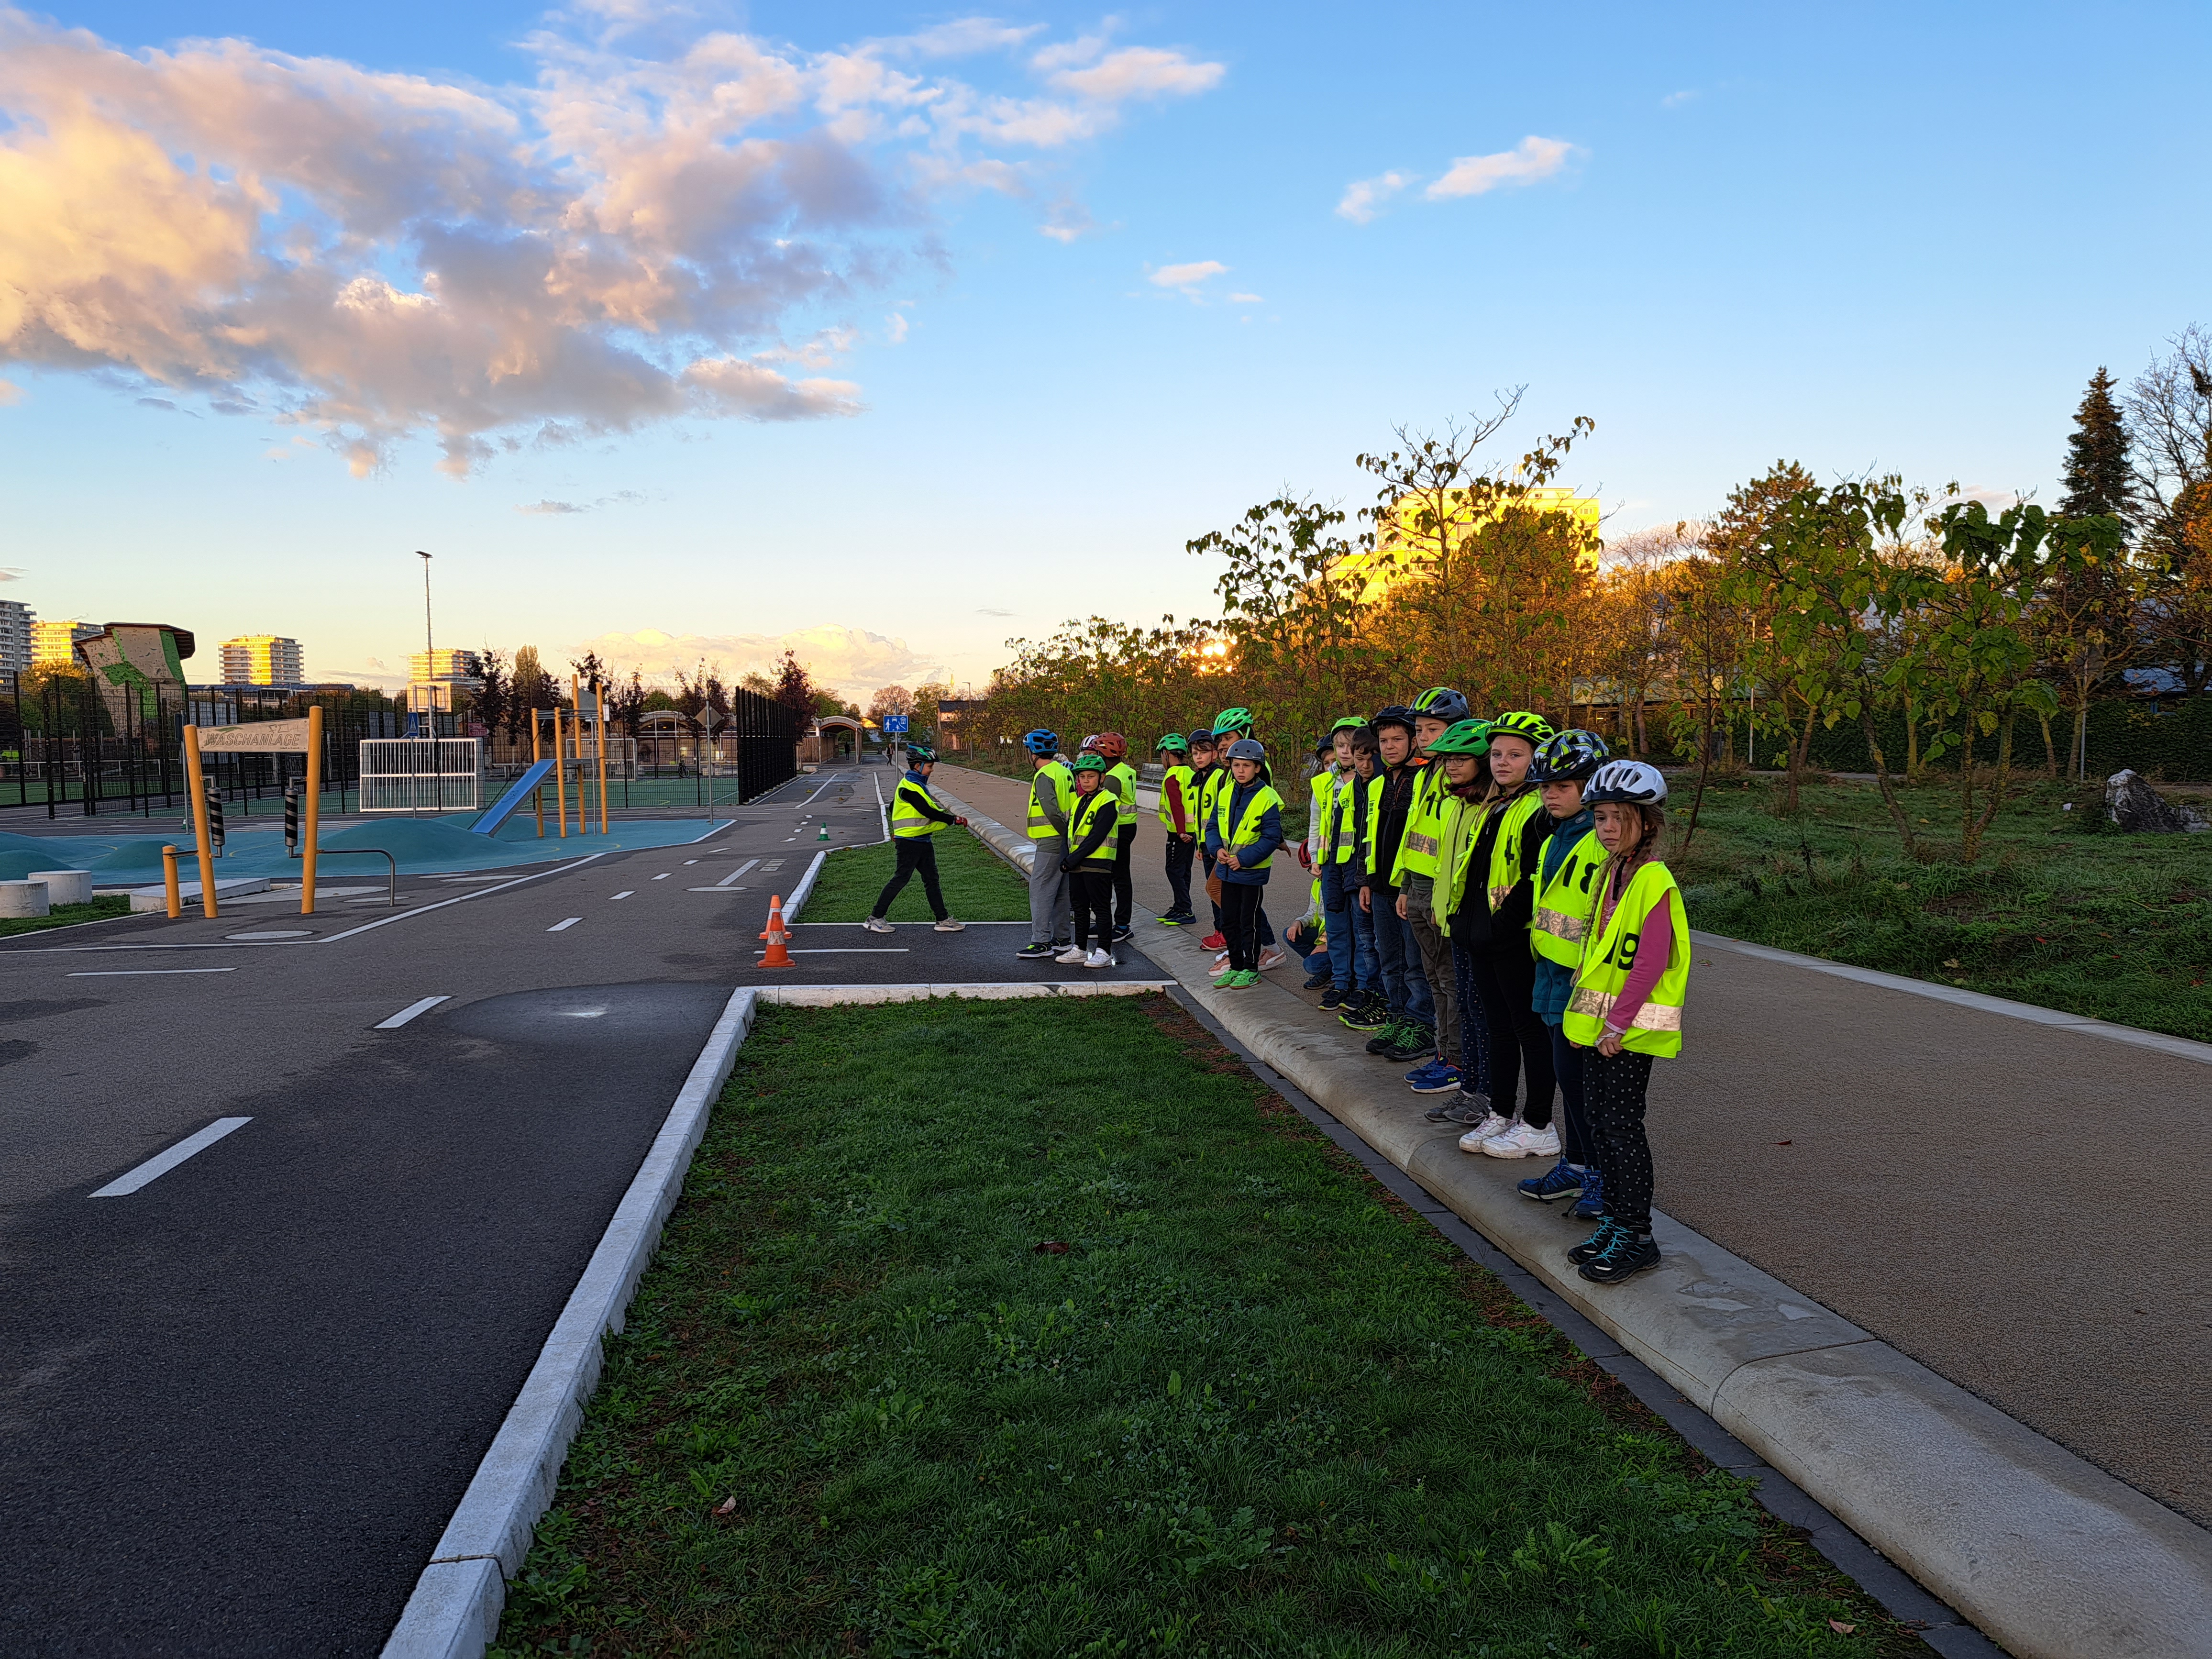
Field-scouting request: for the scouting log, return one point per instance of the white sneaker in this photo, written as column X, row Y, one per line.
column 1098, row 958
column 1496, row 1124
column 1521, row 1141
column 1273, row 956
column 951, row 924
column 878, row 925
column 1071, row 958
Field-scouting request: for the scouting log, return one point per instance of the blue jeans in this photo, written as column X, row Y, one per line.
column 1399, row 959
column 1350, row 931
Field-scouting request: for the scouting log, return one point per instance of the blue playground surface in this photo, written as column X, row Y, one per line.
column 421, row 846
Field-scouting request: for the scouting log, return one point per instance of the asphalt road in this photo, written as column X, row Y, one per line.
column 238, row 1404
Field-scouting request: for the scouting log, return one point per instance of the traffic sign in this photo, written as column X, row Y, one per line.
column 894, row 722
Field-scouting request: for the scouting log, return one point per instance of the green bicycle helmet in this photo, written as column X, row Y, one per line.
column 917, row 753
column 1089, row 761
column 1349, row 723
column 1533, row 729
column 1569, row 757
column 1173, row 744
column 1238, row 721
column 1441, row 702
column 1466, row 738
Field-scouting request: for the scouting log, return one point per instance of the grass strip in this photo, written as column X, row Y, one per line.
column 2060, row 910
column 978, row 886
column 99, row 908
column 1043, row 1328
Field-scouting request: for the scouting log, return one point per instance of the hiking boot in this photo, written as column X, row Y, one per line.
column 1034, row 953
column 1592, row 1246
column 1213, row 941
column 1418, row 1042
column 1521, row 1141
column 1591, row 1205
column 1624, row 1254
column 1332, row 999
column 1437, row 1077
column 878, row 925
column 1557, row 1182
column 951, row 925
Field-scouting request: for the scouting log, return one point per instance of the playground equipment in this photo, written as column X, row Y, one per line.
column 421, row 775
column 293, row 736
column 777, row 937
column 570, row 750
column 519, row 791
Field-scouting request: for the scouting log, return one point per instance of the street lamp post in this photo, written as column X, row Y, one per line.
column 422, row 721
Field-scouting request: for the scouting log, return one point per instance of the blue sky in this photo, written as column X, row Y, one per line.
column 1897, row 238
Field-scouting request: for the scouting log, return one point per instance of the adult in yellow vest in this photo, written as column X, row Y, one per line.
column 916, row 818
column 1178, row 816
column 1627, row 1007
column 1565, row 880
column 1052, row 793
column 1121, row 778
column 1435, row 711
column 1244, row 833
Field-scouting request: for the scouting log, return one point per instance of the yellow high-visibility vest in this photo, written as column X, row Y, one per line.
column 1052, row 775
column 1459, row 830
column 1176, row 785
column 1566, row 902
column 1425, row 825
column 1505, row 871
column 1610, row 953
column 1084, row 814
column 1247, row 829
column 907, row 816
column 1124, row 779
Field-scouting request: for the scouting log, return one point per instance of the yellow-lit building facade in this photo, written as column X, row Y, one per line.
column 53, row 644
column 1399, row 550
column 262, row 660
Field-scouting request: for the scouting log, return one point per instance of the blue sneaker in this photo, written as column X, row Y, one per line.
column 1591, row 1205
column 1434, row 1078
column 1555, row 1183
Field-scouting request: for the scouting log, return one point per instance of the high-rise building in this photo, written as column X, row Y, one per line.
column 53, row 644
column 427, row 665
column 16, row 622
column 262, row 660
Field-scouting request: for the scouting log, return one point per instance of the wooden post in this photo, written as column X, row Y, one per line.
column 313, row 827
column 538, row 754
column 576, row 726
column 195, row 781
column 560, row 768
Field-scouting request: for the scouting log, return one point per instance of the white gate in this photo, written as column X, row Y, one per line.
column 421, row 775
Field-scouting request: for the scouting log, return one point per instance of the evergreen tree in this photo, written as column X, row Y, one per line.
column 2097, row 477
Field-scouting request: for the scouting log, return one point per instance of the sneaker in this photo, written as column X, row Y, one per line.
column 1097, row 958
column 1387, row 1038
column 1492, row 1122
column 1521, row 1141
column 1226, row 979
column 1591, row 1205
column 1555, row 1183
column 1417, row 1042
column 1034, row 953
column 1178, row 919
column 1122, row 931
column 1220, row 960
column 1595, row 1242
column 878, row 925
column 1213, row 941
column 1273, row 956
column 1366, row 1013
column 1332, row 999
column 1246, row 980
column 1627, row 1253
column 1073, row 957
column 1434, row 1078
column 1315, row 981
column 1468, row 1109
column 948, row 925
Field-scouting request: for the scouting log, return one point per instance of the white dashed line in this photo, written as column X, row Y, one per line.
column 559, row 926
column 625, row 893
column 136, row 973
column 162, row 1162
column 730, row 880
column 663, row 876
column 408, row 1013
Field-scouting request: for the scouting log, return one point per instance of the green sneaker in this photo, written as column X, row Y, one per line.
column 1229, row 980
column 1247, row 980
column 1387, row 1037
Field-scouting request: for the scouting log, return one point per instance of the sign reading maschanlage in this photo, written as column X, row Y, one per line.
column 257, row 736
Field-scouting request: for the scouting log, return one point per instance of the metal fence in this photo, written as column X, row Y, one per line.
column 421, row 775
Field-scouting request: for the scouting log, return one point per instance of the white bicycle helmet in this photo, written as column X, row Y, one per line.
column 1634, row 783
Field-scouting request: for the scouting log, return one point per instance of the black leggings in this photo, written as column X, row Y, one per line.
column 1125, row 885
column 1519, row 1043
column 1179, row 858
column 915, row 853
column 1613, row 1115
column 1240, row 920
column 1092, row 893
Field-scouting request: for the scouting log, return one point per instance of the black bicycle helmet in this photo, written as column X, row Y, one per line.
column 1568, row 757
column 1441, row 702
column 1397, row 714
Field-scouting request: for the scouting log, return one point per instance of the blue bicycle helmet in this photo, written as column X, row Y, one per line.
column 1041, row 742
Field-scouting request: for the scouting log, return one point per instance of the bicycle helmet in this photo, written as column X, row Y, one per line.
column 1088, row 762
column 1173, row 744
column 1089, row 746
column 1533, row 729
column 1112, row 745
column 917, row 753
column 1041, row 742
column 1633, row 783
column 1441, row 702
column 1250, row 748
column 1238, row 721
column 1466, row 738
column 1568, row 757
column 1205, row 737
column 1397, row 714
column 1349, row 723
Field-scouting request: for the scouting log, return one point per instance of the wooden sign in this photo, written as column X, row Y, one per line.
column 256, row 736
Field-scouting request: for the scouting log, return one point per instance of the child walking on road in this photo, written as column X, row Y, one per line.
column 1092, row 820
column 1242, row 834
column 1626, row 1008
column 915, row 817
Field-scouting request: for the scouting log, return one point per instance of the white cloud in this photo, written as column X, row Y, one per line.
column 895, row 327
column 1364, row 197
column 10, row 393
column 1066, row 222
column 1676, row 99
column 562, row 509
column 1246, row 300
column 625, row 238
column 852, row 660
column 1186, row 278
column 1531, row 160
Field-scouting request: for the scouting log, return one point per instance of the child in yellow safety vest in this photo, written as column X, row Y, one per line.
column 1625, row 1010
column 1244, row 832
column 1178, row 816
column 1093, row 817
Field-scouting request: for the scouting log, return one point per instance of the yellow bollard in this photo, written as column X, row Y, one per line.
column 195, row 781
column 537, row 754
column 599, row 716
column 169, row 885
column 313, row 825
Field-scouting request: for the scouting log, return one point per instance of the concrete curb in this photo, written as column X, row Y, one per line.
column 1019, row 851
column 805, row 890
column 2055, row 1018
column 826, row 996
column 454, row 1611
column 2050, row 1556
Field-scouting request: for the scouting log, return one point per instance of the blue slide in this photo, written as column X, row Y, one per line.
column 502, row 809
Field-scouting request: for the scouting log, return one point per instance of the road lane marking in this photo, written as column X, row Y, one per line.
column 718, row 889
column 849, row 950
column 139, row 973
column 408, row 1013
column 626, row 892
column 162, row 1162
column 559, row 926
column 663, row 876
column 690, row 860
column 730, row 880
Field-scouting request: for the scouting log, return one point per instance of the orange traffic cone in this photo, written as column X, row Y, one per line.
column 776, row 935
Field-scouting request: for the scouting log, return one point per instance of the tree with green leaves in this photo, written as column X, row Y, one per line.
column 2099, row 479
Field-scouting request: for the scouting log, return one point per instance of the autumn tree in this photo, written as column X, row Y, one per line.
column 2169, row 416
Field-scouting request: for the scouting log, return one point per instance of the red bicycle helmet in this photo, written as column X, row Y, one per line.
column 1112, row 745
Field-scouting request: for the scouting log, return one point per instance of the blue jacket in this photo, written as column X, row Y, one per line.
column 1555, row 980
column 1270, row 841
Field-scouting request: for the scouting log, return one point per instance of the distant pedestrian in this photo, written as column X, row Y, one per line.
column 1052, row 791
column 1093, row 818
column 915, row 818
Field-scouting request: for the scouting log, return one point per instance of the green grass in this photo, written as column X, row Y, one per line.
column 866, row 1404
column 2059, row 910
column 68, row 916
column 978, row 884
